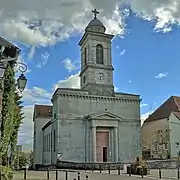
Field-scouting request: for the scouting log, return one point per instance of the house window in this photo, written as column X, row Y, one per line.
column 99, row 54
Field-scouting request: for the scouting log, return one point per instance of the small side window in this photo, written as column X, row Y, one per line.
column 84, row 79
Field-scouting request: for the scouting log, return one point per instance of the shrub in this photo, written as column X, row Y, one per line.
column 7, row 172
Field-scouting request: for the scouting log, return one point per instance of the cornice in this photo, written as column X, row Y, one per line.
column 99, row 34
column 104, row 67
column 93, row 97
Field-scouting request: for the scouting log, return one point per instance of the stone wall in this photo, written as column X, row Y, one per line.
column 89, row 166
column 163, row 164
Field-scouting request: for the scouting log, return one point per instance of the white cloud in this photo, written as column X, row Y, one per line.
column 144, row 105
column 165, row 12
column 70, row 65
column 31, row 53
column 116, row 89
column 145, row 116
column 36, row 95
column 26, row 128
column 44, row 60
column 31, row 22
column 72, row 81
column 129, row 81
column 161, row 75
column 122, row 52
column 45, row 56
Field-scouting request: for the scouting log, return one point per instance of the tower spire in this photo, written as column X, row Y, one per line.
column 95, row 13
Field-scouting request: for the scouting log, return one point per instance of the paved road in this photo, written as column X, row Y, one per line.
column 166, row 173
column 42, row 175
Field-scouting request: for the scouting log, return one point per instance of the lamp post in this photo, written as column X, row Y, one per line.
column 10, row 53
column 22, row 80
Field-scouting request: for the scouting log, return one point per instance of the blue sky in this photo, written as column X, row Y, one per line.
column 145, row 62
column 144, row 50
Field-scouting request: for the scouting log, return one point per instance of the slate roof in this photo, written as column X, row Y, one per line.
column 42, row 111
column 169, row 106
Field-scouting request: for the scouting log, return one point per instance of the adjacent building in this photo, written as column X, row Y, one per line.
column 93, row 123
column 42, row 115
column 160, row 132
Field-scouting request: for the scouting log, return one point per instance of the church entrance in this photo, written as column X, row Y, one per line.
column 105, row 154
column 102, row 144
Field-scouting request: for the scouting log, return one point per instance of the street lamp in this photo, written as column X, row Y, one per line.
column 22, row 80
column 10, row 53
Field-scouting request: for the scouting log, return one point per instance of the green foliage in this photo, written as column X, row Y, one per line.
column 8, row 104
column 137, row 164
column 18, row 116
column 11, row 115
column 22, row 159
column 31, row 155
column 6, row 171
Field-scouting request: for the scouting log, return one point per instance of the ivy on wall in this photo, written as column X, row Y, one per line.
column 11, row 115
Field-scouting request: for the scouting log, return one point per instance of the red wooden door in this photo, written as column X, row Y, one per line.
column 102, row 142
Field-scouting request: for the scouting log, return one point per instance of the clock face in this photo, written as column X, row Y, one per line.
column 100, row 77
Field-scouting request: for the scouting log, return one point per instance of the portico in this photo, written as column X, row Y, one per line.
column 103, row 135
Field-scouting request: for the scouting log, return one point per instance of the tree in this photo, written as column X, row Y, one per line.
column 11, row 115
column 8, row 105
column 23, row 159
column 17, row 118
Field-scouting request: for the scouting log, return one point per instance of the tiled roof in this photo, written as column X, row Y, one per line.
column 170, row 105
column 42, row 111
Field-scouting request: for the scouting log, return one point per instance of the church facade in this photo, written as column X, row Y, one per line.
column 93, row 123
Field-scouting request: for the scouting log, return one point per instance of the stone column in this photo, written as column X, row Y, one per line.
column 116, row 144
column 94, row 143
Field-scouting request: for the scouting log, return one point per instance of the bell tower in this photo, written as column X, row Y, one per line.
column 96, row 60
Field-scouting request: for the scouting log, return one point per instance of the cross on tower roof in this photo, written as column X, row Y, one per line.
column 95, row 13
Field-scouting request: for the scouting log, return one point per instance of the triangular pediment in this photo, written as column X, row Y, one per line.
column 105, row 115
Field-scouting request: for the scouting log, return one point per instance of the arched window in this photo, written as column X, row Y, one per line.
column 85, row 55
column 99, row 54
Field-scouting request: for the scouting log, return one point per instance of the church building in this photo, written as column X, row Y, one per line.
column 93, row 123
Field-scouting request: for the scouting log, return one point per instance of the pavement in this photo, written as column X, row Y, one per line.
column 96, row 175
